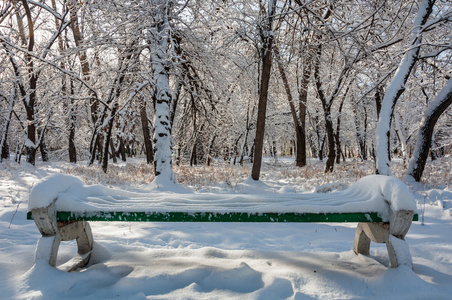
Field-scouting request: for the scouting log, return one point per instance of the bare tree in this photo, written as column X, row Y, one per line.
column 397, row 87
column 424, row 140
column 267, row 36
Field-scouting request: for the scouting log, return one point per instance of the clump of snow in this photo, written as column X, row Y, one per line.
column 393, row 191
column 47, row 191
column 402, row 251
column 329, row 187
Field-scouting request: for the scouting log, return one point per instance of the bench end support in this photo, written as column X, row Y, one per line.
column 53, row 232
column 392, row 234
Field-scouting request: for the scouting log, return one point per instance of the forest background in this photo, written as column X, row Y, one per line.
column 187, row 82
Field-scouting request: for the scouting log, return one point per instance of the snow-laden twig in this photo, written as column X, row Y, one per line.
column 14, row 214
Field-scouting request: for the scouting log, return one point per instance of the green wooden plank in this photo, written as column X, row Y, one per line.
column 217, row 217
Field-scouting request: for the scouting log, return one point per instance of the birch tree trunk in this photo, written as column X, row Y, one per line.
column 160, row 35
column 397, row 87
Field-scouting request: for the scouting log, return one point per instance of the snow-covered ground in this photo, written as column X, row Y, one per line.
column 233, row 260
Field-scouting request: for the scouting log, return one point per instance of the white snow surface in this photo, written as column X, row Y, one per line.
column 373, row 193
column 220, row 260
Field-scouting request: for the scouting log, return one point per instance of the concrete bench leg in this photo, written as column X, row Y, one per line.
column 53, row 232
column 392, row 234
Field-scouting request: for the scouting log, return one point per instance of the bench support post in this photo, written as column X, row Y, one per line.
column 53, row 232
column 392, row 234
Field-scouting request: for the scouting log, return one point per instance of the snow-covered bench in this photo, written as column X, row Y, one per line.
column 62, row 205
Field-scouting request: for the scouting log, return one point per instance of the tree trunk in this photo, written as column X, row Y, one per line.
column 274, row 148
column 160, row 35
column 86, row 71
column 42, row 145
column 108, row 137
column 113, row 151
column 299, row 122
column 71, row 139
column 401, row 138
column 361, row 131
column 442, row 101
column 322, row 147
column 4, row 147
column 122, row 150
column 326, row 104
column 266, row 54
column 330, row 137
column 338, row 128
column 29, row 100
column 302, row 108
column 378, row 93
column 397, row 87
column 72, row 115
column 194, row 155
column 146, row 134
column 209, row 152
column 95, row 138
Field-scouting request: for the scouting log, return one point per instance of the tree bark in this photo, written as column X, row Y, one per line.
column 266, row 54
column 300, row 120
column 401, row 138
column 83, row 57
column 302, row 108
column 72, row 115
column 160, row 35
column 439, row 105
column 72, row 123
column 42, row 145
column 338, row 130
column 146, row 133
column 397, row 87
column 108, row 137
column 4, row 147
column 29, row 99
column 326, row 104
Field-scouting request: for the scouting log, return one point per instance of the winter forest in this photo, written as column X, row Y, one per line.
column 230, row 104
column 186, row 82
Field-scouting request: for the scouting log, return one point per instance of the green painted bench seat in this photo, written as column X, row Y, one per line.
column 218, row 217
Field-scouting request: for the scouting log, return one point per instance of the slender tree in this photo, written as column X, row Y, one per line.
column 267, row 36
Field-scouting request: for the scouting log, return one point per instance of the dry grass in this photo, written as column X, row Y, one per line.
column 130, row 173
column 204, row 176
column 437, row 174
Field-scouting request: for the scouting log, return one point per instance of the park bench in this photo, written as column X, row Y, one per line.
column 62, row 206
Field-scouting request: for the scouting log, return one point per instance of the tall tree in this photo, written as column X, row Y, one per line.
column 397, row 87
column 160, row 36
column 267, row 36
